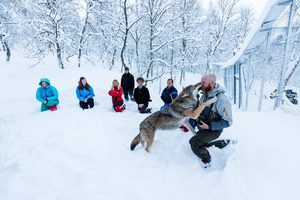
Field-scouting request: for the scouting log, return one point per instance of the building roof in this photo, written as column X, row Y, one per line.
column 272, row 11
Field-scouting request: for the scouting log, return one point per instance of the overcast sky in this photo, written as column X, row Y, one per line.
column 257, row 5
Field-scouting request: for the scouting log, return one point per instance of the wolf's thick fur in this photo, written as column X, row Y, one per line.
column 172, row 117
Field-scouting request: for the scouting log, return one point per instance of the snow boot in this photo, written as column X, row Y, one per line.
column 205, row 163
column 148, row 110
column 119, row 109
column 53, row 108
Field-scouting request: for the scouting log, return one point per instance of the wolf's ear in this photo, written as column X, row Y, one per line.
column 184, row 95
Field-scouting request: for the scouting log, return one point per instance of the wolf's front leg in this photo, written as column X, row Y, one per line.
column 189, row 126
column 200, row 108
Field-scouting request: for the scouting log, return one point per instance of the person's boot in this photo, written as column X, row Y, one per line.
column 221, row 143
column 53, row 108
column 205, row 163
column 119, row 109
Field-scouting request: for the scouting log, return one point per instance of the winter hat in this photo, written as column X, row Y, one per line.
column 81, row 78
column 126, row 68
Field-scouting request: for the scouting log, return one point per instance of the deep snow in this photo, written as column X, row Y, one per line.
column 75, row 154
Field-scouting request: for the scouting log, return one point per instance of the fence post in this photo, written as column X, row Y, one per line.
column 225, row 79
column 240, row 85
column 248, row 83
column 263, row 78
column 234, row 83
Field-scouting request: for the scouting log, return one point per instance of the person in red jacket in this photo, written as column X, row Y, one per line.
column 116, row 93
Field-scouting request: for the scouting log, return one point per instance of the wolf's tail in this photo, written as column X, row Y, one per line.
column 135, row 142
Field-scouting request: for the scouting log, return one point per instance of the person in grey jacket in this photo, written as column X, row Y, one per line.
column 212, row 120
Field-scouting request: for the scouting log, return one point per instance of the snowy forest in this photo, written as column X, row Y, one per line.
column 154, row 36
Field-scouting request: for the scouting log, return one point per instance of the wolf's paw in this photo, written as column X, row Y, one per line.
column 213, row 100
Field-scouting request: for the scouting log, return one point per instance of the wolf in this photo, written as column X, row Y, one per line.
column 178, row 113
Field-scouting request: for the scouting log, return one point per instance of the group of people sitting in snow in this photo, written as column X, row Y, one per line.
column 48, row 95
column 210, row 123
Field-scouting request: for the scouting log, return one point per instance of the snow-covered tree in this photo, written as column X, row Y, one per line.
column 53, row 28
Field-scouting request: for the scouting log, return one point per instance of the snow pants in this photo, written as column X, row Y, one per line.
column 144, row 109
column 86, row 105
column 50, row 103
column 128, row 92
column 204, row 139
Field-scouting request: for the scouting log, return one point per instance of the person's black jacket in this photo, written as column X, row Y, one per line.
column 141, row 95
column 127, row 81
column 169, row 94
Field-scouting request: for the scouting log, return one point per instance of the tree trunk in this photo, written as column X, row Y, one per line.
column 113, row 59
column 6, row 49
column 125, row 35
column 58, row 49
column 183, row 19
column 150, row 67
column 137, row 53
column 82, row 35
column 58, row 53
column 137, row 40
column 182, row 76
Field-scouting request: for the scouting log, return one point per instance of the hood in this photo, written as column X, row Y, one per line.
column 217, row 90
column 44, row 80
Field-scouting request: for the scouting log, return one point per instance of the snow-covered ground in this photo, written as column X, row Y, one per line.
column 75, row 154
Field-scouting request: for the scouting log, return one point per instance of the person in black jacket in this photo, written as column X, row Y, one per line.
column 142, row 96
column 168, row 94
column 127, row 83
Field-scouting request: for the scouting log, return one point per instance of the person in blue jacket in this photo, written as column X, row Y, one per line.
column 85, row 94
column 47, row 95
column 168, row 94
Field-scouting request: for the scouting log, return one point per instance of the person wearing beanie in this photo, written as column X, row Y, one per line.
column 116, row 93
column 47, row 95
column 127, row 83
column 85, row 94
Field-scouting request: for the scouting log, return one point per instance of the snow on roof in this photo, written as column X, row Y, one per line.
column 272, row 11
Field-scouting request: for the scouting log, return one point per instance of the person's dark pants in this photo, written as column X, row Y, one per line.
column 144, row 109
column 205, row 139
column 86, row 105
column 128, row 92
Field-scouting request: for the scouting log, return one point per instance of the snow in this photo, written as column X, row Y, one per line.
column 75, row 154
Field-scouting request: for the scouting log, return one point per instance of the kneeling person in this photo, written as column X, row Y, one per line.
column 212, row 120
column 47, row 95
column 168, row 94
column 85, row 94
column 142, row 96
column 116, row 93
